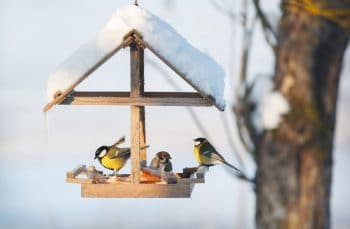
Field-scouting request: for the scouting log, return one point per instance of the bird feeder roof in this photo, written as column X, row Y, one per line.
column 195, row 67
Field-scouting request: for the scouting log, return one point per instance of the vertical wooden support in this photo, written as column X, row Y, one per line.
column 138, row 137
column 143, row 154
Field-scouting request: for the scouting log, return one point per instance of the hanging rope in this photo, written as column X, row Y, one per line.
column 338, row 16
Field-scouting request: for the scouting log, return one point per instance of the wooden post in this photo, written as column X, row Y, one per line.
column 137, row 112
column 143, row 154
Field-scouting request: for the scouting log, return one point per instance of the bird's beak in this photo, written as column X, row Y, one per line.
column 95, row 157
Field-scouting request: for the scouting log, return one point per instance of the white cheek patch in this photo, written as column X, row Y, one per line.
column 102, row 154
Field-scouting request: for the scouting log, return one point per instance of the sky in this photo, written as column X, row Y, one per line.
column 37, row 149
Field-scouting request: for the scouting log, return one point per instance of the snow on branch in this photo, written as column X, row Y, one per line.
column 270, row 105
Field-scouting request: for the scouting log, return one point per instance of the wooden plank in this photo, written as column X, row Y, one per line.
column 149, row 99
column 122, row 101
column 137, row 70
column 70, row 175
column 79, row 180
column 191, row 181
column 135, row 144
column 64, row 93
column 136, row 91
column 143, row 153
column 147, row 94
column 136, row 190
column 126, row 180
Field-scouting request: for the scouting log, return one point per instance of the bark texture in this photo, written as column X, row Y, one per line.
column 295, row 161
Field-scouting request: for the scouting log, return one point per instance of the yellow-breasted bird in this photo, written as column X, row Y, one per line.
column 112, row 157
column 207, row 155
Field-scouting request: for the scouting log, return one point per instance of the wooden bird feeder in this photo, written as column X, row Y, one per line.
column 133, row 185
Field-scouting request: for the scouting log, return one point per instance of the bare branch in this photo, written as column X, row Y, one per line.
column 267, row 27
column 225, row 10
column 241, row 109
column 229, row 134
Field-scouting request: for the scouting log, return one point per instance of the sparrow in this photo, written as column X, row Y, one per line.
column 162, row 160
column 207, row 155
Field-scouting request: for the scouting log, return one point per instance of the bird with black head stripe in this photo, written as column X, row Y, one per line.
column 206, row 155
column 113, row 157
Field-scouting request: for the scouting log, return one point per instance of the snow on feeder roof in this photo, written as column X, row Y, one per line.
column 195, row 67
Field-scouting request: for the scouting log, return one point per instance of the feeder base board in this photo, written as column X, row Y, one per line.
column 100, row 186
column 136, row 190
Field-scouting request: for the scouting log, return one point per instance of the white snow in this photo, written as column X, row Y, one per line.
column 198, row 68
column 271, row 105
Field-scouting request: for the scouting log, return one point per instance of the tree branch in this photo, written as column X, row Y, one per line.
column 267, row 28
column 225, row 10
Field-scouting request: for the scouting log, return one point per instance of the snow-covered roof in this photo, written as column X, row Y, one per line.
column 197, row 68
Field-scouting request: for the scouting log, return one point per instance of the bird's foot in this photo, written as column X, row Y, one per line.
column 112, row 175
column 203, row 169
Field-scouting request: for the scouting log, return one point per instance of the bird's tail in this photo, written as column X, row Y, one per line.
column 238, row 173
column 231, row 166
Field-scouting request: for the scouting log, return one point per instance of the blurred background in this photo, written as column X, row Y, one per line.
column 37, row 149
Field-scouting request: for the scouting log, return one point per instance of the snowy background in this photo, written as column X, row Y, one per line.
column 36, row 149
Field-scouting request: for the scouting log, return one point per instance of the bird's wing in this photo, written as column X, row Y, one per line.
column 209, row 151
column 112, row 152
column 168, row 167
column 122, row 152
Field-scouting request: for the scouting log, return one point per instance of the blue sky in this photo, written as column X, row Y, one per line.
column 36, row 149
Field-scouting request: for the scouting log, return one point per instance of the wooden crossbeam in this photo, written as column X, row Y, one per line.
column 148, row 99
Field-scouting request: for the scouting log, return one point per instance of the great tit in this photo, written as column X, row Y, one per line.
column 207, row 155
column 162, row 160
column 112, row 157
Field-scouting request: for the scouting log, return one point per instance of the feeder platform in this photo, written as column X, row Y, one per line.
column 99, row 186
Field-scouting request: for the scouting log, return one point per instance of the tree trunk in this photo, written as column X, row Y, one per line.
column 295, row 161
